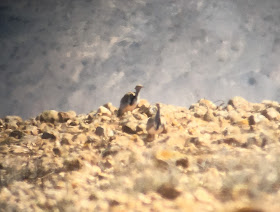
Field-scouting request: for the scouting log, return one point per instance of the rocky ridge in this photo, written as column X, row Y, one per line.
column 211, row 158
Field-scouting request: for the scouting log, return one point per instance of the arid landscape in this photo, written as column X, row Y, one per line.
column 211, row 157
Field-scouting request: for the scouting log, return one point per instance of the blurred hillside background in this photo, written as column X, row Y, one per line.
column 78, row 55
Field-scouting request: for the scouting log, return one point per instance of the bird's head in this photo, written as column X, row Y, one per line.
column 138, row 87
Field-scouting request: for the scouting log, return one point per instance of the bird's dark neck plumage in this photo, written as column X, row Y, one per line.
column 157, row 118
column 134, row 98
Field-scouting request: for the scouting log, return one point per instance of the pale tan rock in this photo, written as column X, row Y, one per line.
column 110, row 107
column 208, row 104
column 234, row 116
column 32, row 130
column 104, row 111
column 240, row 103
column 9, row 119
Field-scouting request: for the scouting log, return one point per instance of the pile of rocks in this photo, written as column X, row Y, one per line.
column 211, row 158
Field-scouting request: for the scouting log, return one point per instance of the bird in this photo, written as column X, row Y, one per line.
column 155, row 125
column 129, row 101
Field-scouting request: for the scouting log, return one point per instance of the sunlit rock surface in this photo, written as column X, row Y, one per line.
column 211, row 158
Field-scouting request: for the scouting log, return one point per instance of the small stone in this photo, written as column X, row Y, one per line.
column 80, row 138
column 184, row 162
column 200, row 112
column 104, row 111
column 168, row 155
column 16, row 134
column 9, row 119
column 168, row 191
column 240, row 103
column 31, row 130
column 100, row 131
column 130, row 128
column 66, row 139
column 65, row 116
column 72, row 165
column 50, row 134
column 256, row 118
column 110, row 107
column 203, row 196
column 49, row 116
column 271, row 114
column 207, row 103
column 209, row 116
column 234, row 116
column 57, row 151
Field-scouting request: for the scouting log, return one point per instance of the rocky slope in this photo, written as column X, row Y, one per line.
column 212, row 158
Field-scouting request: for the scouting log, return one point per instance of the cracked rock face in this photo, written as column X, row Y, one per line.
column 211, row 158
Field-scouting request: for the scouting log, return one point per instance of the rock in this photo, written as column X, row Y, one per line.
column 234, row 116
column 206, row 103
column 168, row 191
column 184, row 162
column 100, row 131
column 31, row 130
column 256, row 118
column 72, row 164
column 104, row 111
column 130, row 128
column 66, row 139
column 17, row 134
column 49, row 134
column 65, row 116
column 209, row 116
column 200, row 112
column 49, row 116
column 240, row 103
column 168, row 155
column 271, row 113
column 9, row 119
column 203, row 196
column 110, row 107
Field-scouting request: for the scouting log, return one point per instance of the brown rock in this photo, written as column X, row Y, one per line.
column 209, row 116
column 66, row 139
column 168, row 191
column 50, row 134
column 184, row 162
column 100, row 131
column 65, row 116
column 17, row 134
column 49, row 116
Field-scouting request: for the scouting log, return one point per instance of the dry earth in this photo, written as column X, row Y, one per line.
column 212, row 158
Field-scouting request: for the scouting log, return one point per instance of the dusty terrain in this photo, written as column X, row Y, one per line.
column 212, row 158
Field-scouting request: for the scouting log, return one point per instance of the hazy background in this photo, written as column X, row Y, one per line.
column 78, row 55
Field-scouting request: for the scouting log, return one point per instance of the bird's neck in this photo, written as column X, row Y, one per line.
column 137, row 93
column 157, row 118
